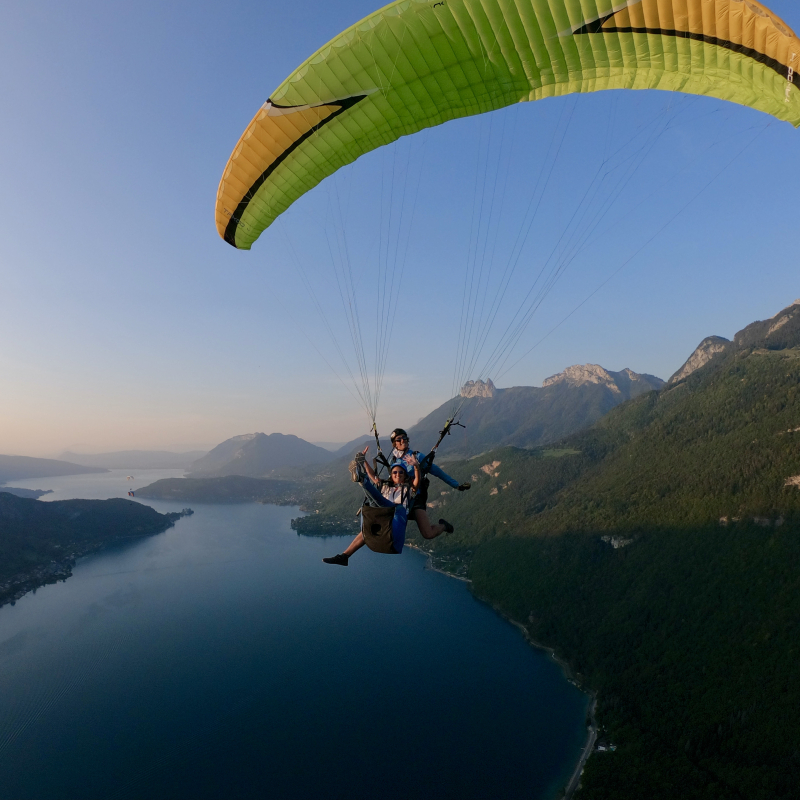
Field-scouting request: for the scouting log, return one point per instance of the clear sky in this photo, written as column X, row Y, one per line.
column 125, row 321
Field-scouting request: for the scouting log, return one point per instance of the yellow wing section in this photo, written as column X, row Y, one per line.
column 419, row 63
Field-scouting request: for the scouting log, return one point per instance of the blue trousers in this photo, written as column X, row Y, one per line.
column 400, row 520
column 429, row 468
column 439, row 473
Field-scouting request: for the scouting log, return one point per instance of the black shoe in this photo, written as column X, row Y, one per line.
column 341, row 560
column 462, row 487
column 448, row 528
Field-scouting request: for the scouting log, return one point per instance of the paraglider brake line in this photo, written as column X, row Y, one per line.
column 442, row 433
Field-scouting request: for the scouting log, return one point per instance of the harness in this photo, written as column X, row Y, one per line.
column 376, row 527
column 377, row 521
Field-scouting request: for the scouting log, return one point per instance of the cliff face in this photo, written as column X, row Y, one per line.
column 626, row 383
column 704, row 352
column 580, row 374
column 776, row 333
column 478, row 389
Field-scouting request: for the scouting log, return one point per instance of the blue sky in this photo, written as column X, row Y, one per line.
column 127, row 322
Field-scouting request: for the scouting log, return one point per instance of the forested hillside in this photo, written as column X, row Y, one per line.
column 659, row 553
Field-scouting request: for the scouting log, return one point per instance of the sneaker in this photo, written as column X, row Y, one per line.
column 341, row 560
column 462, row 487
column 448, row 528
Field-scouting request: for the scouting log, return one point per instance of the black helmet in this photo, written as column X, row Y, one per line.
column 397, row 432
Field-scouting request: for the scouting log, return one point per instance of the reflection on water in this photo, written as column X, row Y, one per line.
column 223, row 659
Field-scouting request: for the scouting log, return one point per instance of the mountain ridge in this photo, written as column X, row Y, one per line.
column 135, row 459
column 17, row 468
column 530, row 416
column 256, row 455
column 569, row 401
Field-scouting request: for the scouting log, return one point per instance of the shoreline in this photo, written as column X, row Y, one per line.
column 573, row 784
column 429, row 565
column 575, row 781
column 15, row 587
column 591, row 736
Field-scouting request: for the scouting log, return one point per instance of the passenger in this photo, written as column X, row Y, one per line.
column 403, row 453
column 398, row 491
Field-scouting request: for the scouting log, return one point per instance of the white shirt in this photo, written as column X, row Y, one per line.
column 399, row 495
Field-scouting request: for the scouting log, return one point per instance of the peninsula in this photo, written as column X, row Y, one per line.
column 224, row 489
column 41, row 541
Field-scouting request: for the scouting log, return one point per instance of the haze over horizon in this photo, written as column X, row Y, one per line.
column 129, row 324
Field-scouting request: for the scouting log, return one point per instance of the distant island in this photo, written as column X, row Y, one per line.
column 34, row 494
column 41, row 541
column 226, row 489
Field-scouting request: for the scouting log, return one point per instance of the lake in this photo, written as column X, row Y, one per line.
column 223, row 659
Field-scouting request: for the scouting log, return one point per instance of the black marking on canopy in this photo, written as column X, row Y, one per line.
column 596, row 26
column 233, row 223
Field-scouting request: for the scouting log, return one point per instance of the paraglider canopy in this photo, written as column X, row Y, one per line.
column 419, row 63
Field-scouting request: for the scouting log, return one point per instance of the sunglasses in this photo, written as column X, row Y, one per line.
column 401, row 438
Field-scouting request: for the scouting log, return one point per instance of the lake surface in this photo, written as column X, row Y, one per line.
column 223, row 659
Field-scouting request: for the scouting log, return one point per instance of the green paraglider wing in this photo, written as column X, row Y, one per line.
column 419, row 63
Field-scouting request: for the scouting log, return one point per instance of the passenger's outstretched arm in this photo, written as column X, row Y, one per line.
column 370, row 472
column 417, row 475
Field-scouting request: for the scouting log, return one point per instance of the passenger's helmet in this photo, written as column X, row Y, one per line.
column 395, row 433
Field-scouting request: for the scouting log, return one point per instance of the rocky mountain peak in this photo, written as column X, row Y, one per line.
column 478, row 389
column 779, row 332
column 782, row 317
column 580, row 374
column 775, row 333
column 703, row 353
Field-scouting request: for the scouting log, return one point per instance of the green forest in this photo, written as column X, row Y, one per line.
column 658, row 553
